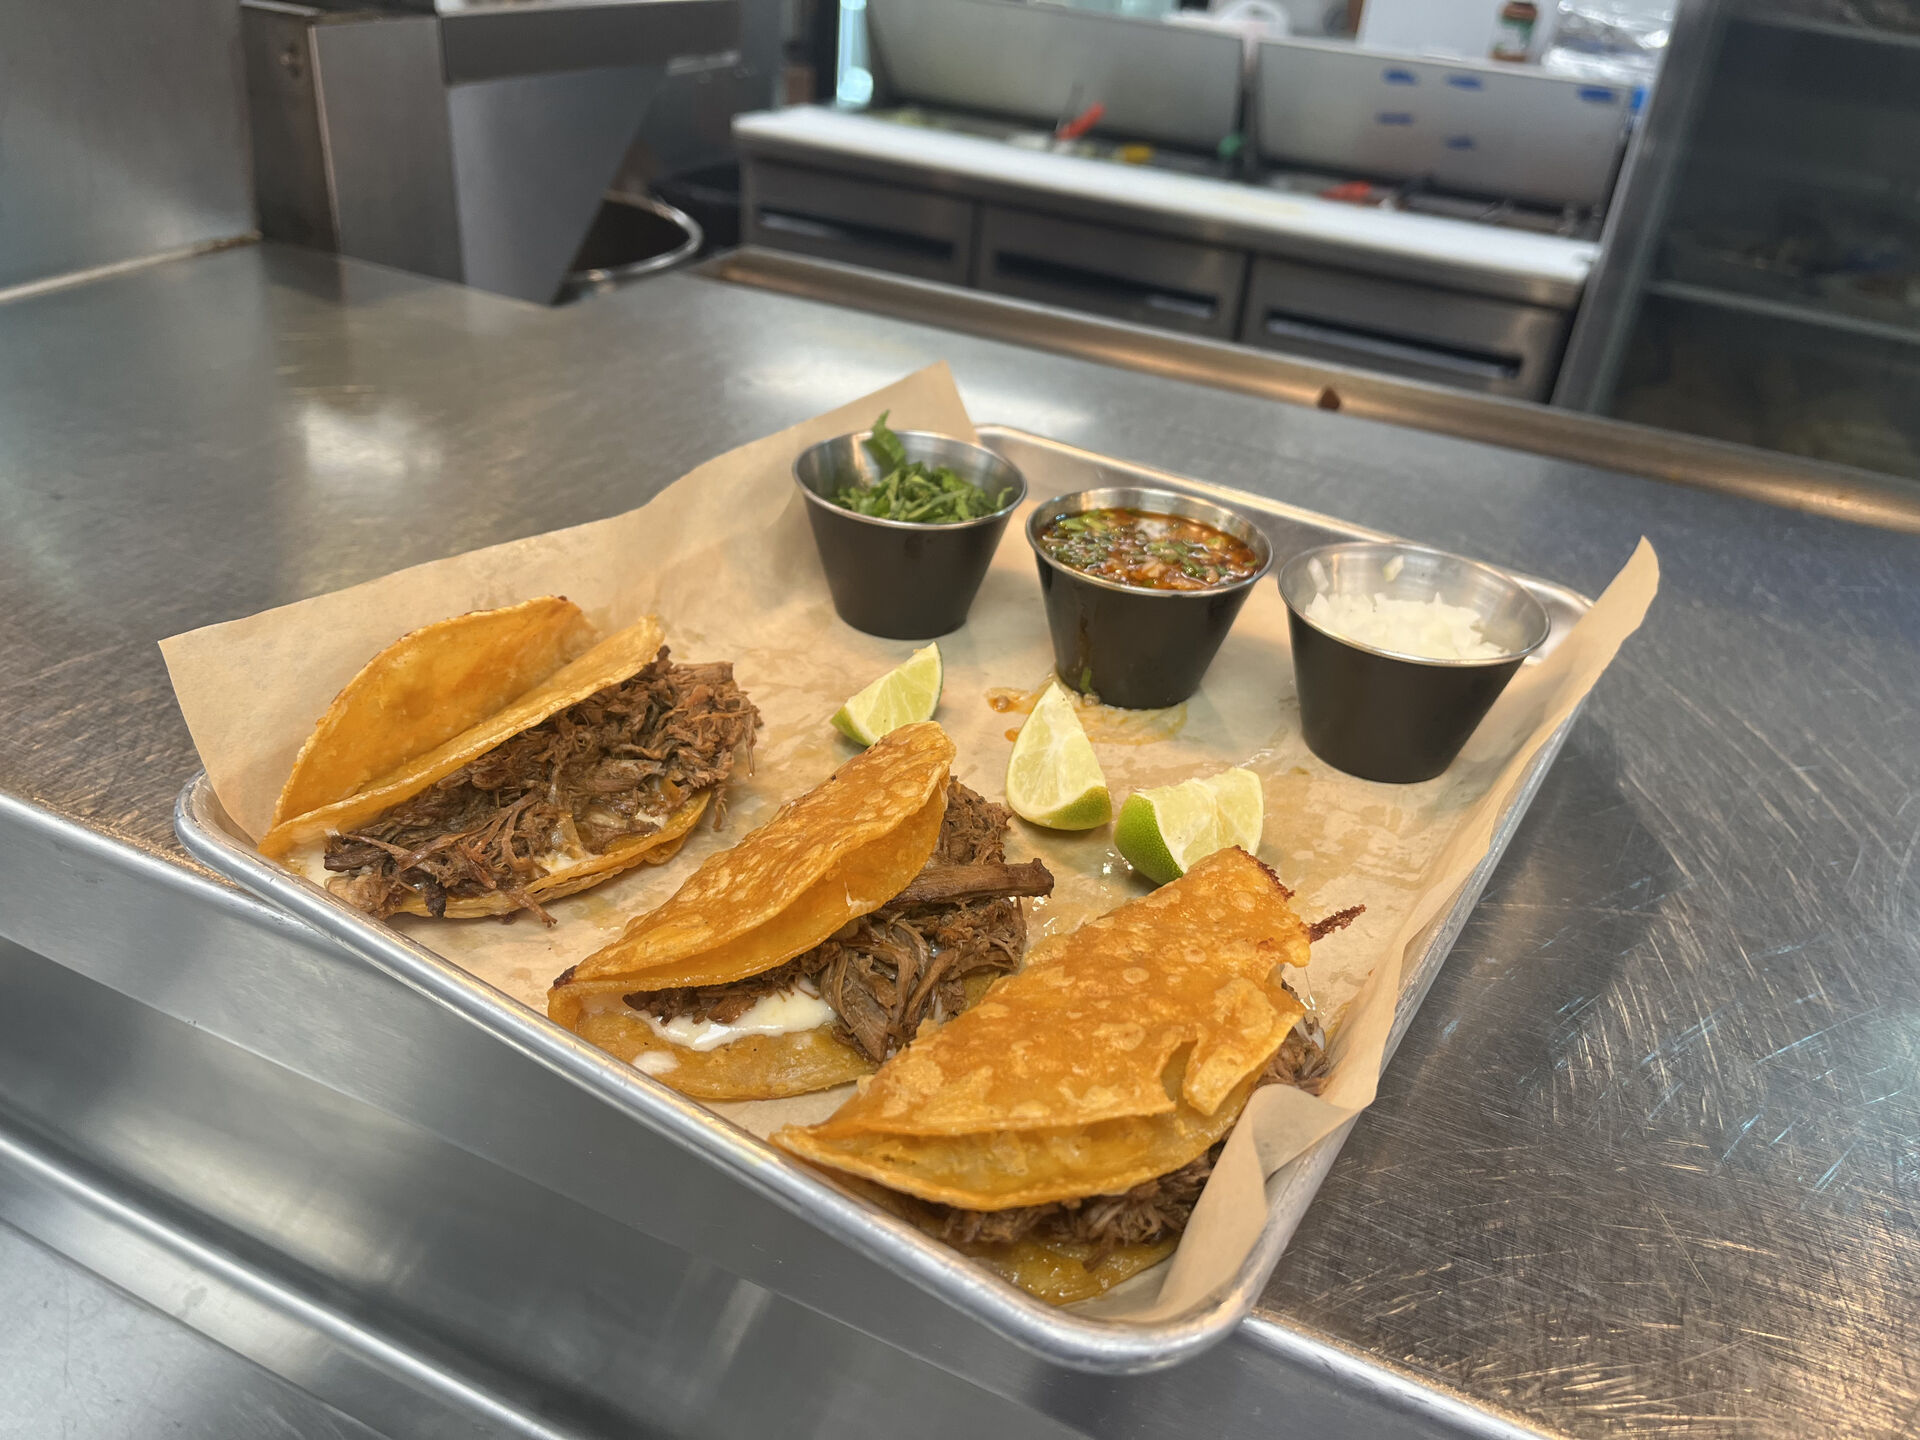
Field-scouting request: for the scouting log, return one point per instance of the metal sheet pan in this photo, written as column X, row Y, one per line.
column 1060, row 1336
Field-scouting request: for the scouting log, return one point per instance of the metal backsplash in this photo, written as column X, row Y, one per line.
column 125, row 132
column 1044, row 63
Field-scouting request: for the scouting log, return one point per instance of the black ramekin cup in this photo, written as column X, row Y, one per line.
column 1134, row 648
column 895, row 578
column 1382, row 715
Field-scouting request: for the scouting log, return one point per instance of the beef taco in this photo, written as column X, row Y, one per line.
column 501, row 759
column 822, row 942
column 1062, row 1129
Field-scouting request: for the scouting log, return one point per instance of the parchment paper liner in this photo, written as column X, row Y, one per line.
column 725, row 559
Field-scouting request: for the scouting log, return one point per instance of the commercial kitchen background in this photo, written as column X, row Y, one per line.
column 293, row 294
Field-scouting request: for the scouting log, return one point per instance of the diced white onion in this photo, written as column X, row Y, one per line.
column 1430, row 629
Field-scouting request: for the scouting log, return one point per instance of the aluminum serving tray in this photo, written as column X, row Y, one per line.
column 1064, row 1337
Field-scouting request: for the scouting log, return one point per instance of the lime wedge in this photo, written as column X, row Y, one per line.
column 1053, row 778
column 1164, row 831
column 903, row 696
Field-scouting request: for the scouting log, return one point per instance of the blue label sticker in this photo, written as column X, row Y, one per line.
column 1399, row 77
column 1597, row 95
column 1394, row 117
column 1466, row 82
column 1459, row 142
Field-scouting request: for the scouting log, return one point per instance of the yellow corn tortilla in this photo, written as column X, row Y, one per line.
column 1059, row 1272
column 865, row 880
column 836, row 853
column 618, row 657
column 1002, row 1169
column 1120, row 1053
column 427, row 687
column 755, row 1067
column 840, row 851
column 1087, row 1030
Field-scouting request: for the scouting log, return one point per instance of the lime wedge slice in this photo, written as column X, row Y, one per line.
column 903, row 696
column 1165, row 830
column 1053, row 778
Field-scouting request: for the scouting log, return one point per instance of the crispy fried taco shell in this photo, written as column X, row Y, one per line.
column 445, row 696
column 403, row 669
column 1000, row 1169
column 1057, row 1271
column 838, row 852
column 1121, row 1053
column 424, row 689
column 756, row 1067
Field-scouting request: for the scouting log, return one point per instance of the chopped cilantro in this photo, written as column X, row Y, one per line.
column 913, row 491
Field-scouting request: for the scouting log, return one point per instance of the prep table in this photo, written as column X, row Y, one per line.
column 1646, row 1163
column 1433, row 297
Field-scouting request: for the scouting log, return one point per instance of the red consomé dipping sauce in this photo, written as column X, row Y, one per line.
column 1147, row 550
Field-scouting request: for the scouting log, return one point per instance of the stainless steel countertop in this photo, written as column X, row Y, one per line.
column 84, row 1362
column 1649, row 1160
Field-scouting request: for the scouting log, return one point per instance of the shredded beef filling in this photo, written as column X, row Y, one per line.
column 908, row 962
column 1151, row 1210
column 616, row 764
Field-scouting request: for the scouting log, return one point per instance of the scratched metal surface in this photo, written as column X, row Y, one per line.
column 1649, row 1161
column 82, row 1361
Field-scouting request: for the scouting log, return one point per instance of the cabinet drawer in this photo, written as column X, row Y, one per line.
column 860, row 222
column 1171, row 284
column 1404, row 329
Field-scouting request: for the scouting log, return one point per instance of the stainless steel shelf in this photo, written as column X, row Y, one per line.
column 1790, row 310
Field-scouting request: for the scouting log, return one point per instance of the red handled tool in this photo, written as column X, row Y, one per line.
column 1080, row 124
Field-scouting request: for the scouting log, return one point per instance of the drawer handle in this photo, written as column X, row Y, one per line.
column 847, row 232
column 1191, row 303
column 1457, row 359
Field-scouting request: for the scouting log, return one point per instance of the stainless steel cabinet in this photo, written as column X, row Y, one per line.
column 1170, row 284
column 1456, row 321
column 1764, row 286
column 1404, row 329
column 860, row 222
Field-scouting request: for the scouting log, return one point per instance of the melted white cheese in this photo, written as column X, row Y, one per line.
column 656, row 1062
column 782, row 1013
column 309, row 861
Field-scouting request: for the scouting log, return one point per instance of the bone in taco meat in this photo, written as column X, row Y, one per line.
column 1061, row 1131
column 822, row 942
column 498, row 760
